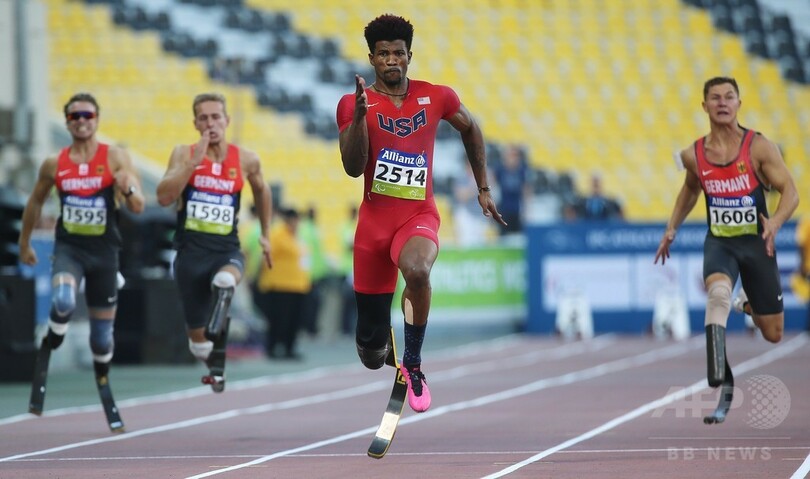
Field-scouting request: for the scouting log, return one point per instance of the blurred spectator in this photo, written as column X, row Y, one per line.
column 597, row 206
column 470, row 225
column 348, row 310
column 569, row 212
column 249, row 233
column 319, row 269
column 512, row 178
column 284, row 288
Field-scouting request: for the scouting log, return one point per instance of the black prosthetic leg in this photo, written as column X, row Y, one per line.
column 719, row 372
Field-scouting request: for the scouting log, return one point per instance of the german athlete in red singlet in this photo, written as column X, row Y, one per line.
column 733, row 166
column 92, row 180
column 387, row 134
column 206, row 180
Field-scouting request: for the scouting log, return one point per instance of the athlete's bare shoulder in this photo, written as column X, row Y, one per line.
column 248, row 159
column 117, row 156
column 689, row 158
column 762, row 146
column 47, row 170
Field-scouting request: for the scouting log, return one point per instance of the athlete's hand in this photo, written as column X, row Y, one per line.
column 123, row 180
column 663, row 247
column 27, row 254
column 360, row 98
column 488, row 207
column 201, row 148
column 265, row 244
column 769, row 230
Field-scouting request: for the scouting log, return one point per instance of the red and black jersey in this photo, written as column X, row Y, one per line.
column 88, row 214
column 210, row 211
column 735, row 196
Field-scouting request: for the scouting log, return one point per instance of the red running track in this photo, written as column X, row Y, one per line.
column 516, row 407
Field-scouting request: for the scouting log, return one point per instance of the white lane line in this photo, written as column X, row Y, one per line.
column 493, row 345
column 422, row 454
column 803, row 470
column 778, row 352
column 564, row 379
column 559, row 352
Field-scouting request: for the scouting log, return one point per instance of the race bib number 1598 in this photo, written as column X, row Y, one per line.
column 209, row 218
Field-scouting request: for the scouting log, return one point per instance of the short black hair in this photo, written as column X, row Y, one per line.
column 388, row 28
column 81, row 97
column 289, row 214
column 719, row 81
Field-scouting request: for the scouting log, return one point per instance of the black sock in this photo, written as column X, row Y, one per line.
column 414, row 336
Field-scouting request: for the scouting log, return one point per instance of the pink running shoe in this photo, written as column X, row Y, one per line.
column 418, row 392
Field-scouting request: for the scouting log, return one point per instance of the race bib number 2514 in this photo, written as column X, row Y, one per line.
column 401, row 175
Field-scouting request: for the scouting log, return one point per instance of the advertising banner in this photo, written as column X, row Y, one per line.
column 611, row 264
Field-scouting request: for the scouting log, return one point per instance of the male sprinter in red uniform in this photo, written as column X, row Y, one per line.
column 207, row 179
column 733, row 166
column 387, row 134
column 92, row 179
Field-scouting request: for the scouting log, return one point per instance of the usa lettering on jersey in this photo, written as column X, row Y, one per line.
column 402, row 127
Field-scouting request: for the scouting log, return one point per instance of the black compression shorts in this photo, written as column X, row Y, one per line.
column 194, row 270
column 745, row 256
column 98, row 268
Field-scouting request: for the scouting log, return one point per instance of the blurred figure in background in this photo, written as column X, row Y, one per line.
column 348, row 314
column 250, row 232
column 284, row 288
column 514, row 188
column 470, row 226
column 206, row 181
column 596, row 205
column 387, row 134
column 310, row 234
column 93, row 179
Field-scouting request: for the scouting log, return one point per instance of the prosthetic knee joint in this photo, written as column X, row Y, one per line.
column 63, row 303
column 224, row 286
column 101, row 340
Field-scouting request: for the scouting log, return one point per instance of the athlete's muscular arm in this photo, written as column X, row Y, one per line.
column 354, row 139
column 262, row 198
column 473, row 141
column 126, row 177
column 181, row 166
column 687, row 198
column 33, row 208
column 771, row 168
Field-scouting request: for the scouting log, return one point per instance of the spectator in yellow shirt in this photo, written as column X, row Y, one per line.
column 284, row 288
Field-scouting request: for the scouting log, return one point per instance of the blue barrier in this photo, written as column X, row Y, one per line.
column 612, row 264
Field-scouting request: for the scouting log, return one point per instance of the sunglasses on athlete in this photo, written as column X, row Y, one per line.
column 75, row 115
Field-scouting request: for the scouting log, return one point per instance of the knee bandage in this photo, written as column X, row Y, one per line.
column 200, row 351
column 718, row 303
column 101, row 339
column 63, row 301
column 224, row 279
